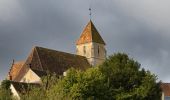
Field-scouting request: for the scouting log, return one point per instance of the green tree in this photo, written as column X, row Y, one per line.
column 118, row 78
column 5, row 92
column 81, row 85
column 40, row 92
column 128, row 81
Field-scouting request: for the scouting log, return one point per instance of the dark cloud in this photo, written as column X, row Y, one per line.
column 139, row 28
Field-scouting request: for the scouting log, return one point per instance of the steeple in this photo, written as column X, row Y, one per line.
column 90, row 34
column 91, row 45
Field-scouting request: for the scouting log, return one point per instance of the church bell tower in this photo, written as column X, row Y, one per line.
column 91, row 45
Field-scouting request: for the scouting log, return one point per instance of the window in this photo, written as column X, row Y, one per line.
column 98, row 50
column 84, row 49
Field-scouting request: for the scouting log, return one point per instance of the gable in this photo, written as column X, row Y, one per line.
column 31, row 77
column 32, row 60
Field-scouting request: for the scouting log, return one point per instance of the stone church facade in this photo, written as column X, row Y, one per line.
column 90, row 51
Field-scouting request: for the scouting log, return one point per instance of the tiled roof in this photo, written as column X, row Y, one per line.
column 90, row 34
column 166, row 88
column 40, row 73
column 43, row 60
column 15, row 68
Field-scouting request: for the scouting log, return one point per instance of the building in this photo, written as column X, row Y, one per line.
column 165, row 91
column 90, row 51
column 91, row 45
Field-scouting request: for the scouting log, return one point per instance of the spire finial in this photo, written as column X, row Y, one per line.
column 13, row 61
column 90, row 12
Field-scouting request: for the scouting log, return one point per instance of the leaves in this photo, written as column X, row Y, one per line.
column 118, row 78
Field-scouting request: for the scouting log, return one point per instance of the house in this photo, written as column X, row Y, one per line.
column 90, row 51
column 165, row 91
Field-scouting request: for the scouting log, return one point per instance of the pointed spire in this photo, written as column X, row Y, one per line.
column 90, row 34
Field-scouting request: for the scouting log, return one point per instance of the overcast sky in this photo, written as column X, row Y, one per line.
column 140, row 28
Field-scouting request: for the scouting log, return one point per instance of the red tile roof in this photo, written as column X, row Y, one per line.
column 166, row 88
column 90, row 34
column 15, row 68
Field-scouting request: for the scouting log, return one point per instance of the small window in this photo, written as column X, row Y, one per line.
column 84, row 49
column 98, row 50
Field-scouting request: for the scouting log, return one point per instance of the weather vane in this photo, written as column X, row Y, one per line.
column 90, row 12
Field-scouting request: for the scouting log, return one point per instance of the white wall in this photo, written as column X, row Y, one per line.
column 31, row 77
column 95, row 52
column 14, row 92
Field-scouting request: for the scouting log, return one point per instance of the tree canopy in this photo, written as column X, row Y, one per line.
column 5, row 93
column 118, row 78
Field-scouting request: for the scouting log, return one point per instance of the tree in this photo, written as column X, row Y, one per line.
column 5, row 92
column 81, row 85
column 128, row 81
column 39, row 92
column 118, row 78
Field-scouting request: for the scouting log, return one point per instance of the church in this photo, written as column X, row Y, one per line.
column 90, row 51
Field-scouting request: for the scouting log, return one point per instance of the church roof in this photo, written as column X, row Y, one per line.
column 90, row 34
column 15, row 68
column 43, row 60
column 165, row 89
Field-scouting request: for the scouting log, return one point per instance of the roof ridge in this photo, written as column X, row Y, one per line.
column 59, row 51
column 19, row 62
column 18, row 76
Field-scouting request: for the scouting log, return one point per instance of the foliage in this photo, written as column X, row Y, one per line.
column 79, row 85
column 5, row 93
column 127, row 81
column 40, row 92
column 118, row 78
column 36, row 93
